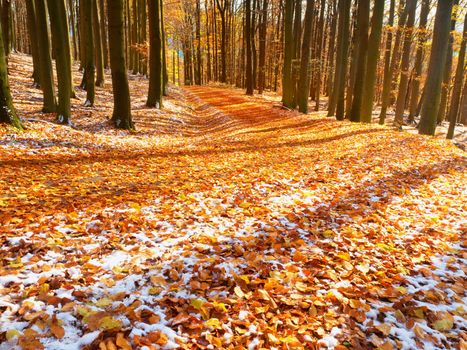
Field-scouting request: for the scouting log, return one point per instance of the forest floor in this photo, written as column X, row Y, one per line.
column 226, row 222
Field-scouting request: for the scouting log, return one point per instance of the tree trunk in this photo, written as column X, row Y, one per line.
column 7, row 110
column 61, row 37
column 122, row 110
column 445, row 87
column 390, row 69
column 47, row 80
column 89, row 67
column 362, row 22
column 287, row 80
column 262, row 47
column 372, row 62
column 97, row 19
column 456, row 91
column 304, row 82
column 31, row 19
column 155, row 55
column 438, row 55
column 414, row 99
column 249, row 68
column 405, row 64
column 105, row 46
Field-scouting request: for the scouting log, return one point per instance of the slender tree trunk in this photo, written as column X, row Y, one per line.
column 436, row 66
column 304, row 82
column 105, row 46
column 249, row 68
column 414, row 99
column 456, row 91
column 342, row 67
column 363, row 19
column 7, row 110
column 287, row 80
column 405, row 64
column 445, row 87
column 372, row 62
column 47, row 80
column 262, row 47
column 155, row 55
column 97, row 19
column 6, row 25
column 89, row 68
column 389, row 73
column 60, row 35
column 31, row 21
column 199, row 63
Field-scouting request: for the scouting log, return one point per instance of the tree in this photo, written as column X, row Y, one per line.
column 31, row 22
column 89, row 68
column 456, row 91
column 122, row 109
column 155, row 55
column 390, row 68
column 439, row 48
column 304, row 82
column 249, row 68
column 414, row 99
column 262, row 47
column 372, row 61
column 287, row 79
column 337, row 98
column 60, row 37
column 405, row 64
column 99, row 55
column 447, row 69
column 222, row 6
column 7, row 110
column 362, row 22
column 45, row 59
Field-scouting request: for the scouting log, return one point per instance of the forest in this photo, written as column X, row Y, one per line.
column 233, row 174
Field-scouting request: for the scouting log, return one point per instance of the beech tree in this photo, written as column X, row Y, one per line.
column 122, row 108
column 434, row 80
column 155, row 55
column 60, row 37
column 7, row 111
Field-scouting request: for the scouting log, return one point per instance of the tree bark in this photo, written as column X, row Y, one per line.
column 61, row 37
column 249, row 68
column 47, row 80
column 414, row 99
column 434, row 80
column 405, row 64
column 362, row 22
column 456, row 91
column 304, row 82
column 7, row 110
column 372, row 62
column 155, row 55
column 89, row 67
column 122, row 111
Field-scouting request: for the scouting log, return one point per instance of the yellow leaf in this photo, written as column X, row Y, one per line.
column 108, row 322
column 12, row 333
column 214, row 322
column 328, row 234
column 104, row 302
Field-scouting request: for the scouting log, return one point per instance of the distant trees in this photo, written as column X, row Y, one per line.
column 358, row 57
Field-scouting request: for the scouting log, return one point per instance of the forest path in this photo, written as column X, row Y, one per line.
column 225, row 220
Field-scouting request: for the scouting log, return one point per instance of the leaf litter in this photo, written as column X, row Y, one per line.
column 225, row 222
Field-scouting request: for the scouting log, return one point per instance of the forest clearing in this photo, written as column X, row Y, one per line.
column 225, row 174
